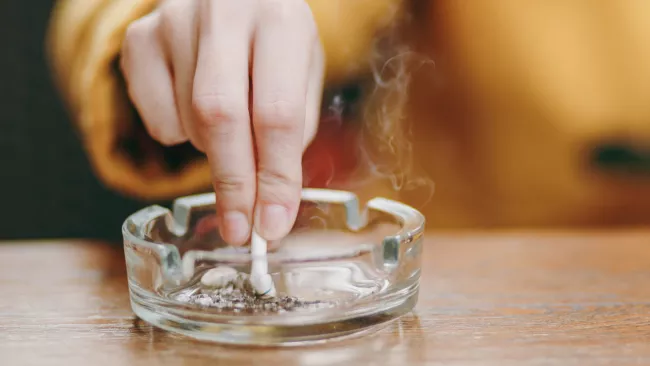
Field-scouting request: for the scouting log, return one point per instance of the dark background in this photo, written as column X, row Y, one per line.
column 47, row 188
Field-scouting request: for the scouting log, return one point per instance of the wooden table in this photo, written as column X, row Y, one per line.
column 486, row 299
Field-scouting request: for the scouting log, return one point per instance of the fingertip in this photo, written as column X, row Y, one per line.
column 234, row 204
column 272, row 221
column 234, row 227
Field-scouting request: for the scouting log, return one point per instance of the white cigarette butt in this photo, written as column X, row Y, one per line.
column 260, row 278
column 218, row 276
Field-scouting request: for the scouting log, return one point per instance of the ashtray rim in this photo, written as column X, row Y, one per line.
column 411, row 222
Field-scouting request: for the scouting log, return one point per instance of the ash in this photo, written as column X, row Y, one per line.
column 238, row 296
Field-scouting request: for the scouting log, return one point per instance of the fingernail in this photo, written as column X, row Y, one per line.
column 272, row 221
column 235, row 227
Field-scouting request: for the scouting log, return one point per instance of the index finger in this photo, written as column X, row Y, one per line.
column 220, row 98
column 285, row 38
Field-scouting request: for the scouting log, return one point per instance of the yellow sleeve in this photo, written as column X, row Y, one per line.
column 84, row 41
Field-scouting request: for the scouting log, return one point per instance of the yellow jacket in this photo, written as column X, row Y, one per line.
column 504, row 124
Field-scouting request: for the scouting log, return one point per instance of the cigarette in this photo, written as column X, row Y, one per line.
column 260, row 278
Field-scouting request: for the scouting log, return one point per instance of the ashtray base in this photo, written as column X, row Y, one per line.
column 191, row 324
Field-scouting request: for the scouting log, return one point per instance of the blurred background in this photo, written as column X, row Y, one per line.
column 47, row 187
column 536, row 114
column 533, row 114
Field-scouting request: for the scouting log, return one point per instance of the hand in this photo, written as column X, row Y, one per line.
column 241, row 80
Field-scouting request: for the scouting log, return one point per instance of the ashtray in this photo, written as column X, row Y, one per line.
column 344, row 270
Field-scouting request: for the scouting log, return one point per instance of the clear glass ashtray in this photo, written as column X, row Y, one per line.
column 343, row 270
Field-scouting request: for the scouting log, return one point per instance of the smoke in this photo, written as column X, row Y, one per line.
column 386, row 143
column 385, row 150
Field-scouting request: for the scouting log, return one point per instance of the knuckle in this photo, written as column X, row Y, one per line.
column 296, row 13
column 224, row 184
column 136, row 31
column 165, row 135
column 279, row 114
column 274, row 181
column 282, row 10
column 215, row 108
column 170, row 13
column 169, row 9
column 137, row 34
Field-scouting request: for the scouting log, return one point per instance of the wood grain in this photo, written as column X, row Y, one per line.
column 519, row 298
